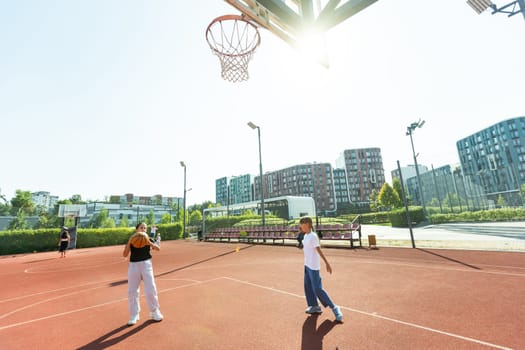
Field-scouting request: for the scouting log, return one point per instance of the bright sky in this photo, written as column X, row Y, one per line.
column 107, row 97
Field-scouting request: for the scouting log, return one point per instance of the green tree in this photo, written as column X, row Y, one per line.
column 396, row 185
column 195, row 217
column 502, row 203
column 22, row 202
column 5, row 209
column 124, row 222
column 373, row 200
column 47, row 220
column 102, row 219
column 19, row 222
column 150, row 218
column 388, row 197
column 76, row 199
column 165, row 218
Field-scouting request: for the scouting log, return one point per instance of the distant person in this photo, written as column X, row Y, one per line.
column 313, row 287
column 63, row 241
column 152, row 231
column 141, row 268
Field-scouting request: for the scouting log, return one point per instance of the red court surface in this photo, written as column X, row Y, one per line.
column 214, row 297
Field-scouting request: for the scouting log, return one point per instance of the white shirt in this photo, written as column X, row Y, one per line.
column 311, row 256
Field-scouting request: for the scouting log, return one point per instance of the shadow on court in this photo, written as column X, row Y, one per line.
column 106, row 340
column 312, row 336
column 121, row 282
column 449, row 259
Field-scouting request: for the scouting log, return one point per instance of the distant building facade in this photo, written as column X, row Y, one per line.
column 358, row 173
column 494, row 158
column 408, row 172
column 364, row 172
column 233, row 190
column 158, row 199
column 305, row 180
column 44, row 200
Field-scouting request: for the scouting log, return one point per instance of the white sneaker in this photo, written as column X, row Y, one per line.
column 313, row 310
column 133, row 320
column 156, row 315
column 338, row 314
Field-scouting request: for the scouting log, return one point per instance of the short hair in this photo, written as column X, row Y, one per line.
column 306, row 220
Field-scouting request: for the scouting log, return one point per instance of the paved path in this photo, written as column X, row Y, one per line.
column 508, row 236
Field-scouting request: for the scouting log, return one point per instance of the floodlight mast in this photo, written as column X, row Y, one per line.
column 511, row 9
column 410, row 130
column 261, row 187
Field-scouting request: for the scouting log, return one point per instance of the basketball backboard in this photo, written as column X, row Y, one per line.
column 290, row 19
column 300, row 23
column 72, row 210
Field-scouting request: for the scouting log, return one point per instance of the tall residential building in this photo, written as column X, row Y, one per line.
column 408, row 172
column 234, row 190
column 494, row 158
column 305, row 180
column 342, row 197
column 158, row 199
column 358, row 173
column 241, row 189
column 44, row 200
column 221, row 191
column 364, row 172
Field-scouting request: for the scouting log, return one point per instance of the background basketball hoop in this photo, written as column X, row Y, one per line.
column 234, row 40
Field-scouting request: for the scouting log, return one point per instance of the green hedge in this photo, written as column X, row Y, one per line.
column 398, row 217
column 493, row 215
column 42, row 240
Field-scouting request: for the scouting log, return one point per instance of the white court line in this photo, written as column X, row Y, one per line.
column 194, row 282
column 48, row 300
column 460, row 269
column 76, row 267
column 421, row 261
column 379, row 316
column 53, row 291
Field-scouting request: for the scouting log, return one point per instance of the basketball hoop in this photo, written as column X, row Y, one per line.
column 234, row 39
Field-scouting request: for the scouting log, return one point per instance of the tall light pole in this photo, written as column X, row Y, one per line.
column 184, row 202
column 410, row 130
column 253, row 126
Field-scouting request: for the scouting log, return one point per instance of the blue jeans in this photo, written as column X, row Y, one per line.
column 313, row 289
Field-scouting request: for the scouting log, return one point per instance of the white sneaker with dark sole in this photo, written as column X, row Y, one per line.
column 156, row 315
column 133, row 320
column 313, row 310
column 338, row 314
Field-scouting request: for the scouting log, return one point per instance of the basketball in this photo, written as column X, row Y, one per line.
column 139, row 240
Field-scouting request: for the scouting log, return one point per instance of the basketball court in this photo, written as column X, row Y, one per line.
column 231, row 296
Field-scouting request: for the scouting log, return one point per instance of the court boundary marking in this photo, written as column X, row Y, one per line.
column 272, row 289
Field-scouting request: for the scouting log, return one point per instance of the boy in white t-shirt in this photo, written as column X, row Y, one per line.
column 313, row 287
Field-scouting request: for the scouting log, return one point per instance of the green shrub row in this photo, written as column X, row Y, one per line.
column 42, row 240
column 397, row 218
column 493, row 215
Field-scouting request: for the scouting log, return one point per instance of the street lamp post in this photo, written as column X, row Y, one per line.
column 184, row 202
column 253, row 126
column 410, row 130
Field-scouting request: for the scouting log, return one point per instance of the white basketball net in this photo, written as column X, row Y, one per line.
column 234, row 40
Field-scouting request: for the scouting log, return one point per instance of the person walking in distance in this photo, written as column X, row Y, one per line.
column 313, row 287
column 141, row 268
column 63, row 242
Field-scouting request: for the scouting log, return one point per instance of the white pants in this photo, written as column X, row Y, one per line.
column 137, row 271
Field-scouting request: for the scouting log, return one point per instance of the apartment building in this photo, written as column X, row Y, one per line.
column 494, row 159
